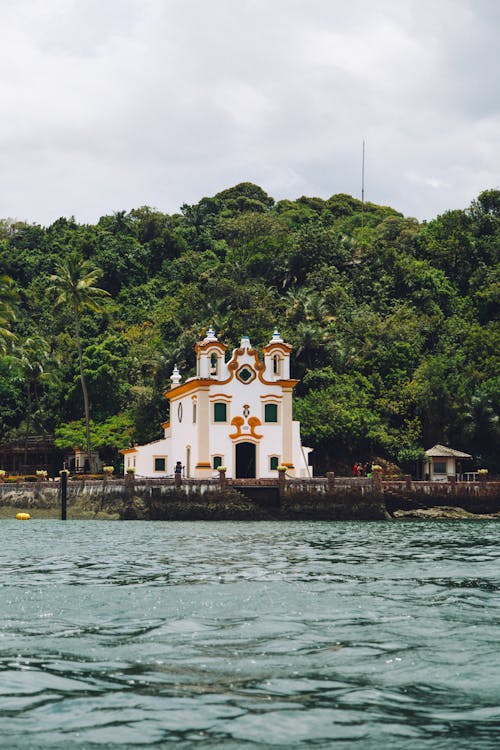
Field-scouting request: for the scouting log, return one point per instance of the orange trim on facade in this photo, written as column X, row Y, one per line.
column 232, row 366
column 126, row 451
column 251, row 379
column 238, row 422
column 165, row 425
column 286, row 383
column 203, row 465
column 246, row 438
column 188, row 386
column 285, row 348
column 223, row 396
column 202, row 346
column 253, row 423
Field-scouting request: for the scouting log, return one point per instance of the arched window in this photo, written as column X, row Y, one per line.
column 274, row 462
column 276, row 365
column 213, row 363
column 217, row 461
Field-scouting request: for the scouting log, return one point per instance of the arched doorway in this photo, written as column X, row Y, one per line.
column 245, row 461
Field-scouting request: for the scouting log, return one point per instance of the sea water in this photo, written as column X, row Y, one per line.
column 250, row 635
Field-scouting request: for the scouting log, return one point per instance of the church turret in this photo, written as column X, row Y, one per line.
column 277, row 358
column 210, row 360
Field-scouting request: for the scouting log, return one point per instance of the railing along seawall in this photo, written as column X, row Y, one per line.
column 147, row 487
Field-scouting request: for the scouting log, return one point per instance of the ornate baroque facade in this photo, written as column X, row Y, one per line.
column 236, row 414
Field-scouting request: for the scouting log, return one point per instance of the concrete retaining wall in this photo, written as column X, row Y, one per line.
column 331, row 497
column 162, row 499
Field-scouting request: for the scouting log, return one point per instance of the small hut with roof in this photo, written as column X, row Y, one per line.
column 443, row 462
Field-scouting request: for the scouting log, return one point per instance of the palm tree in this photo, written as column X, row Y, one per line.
column 33, row 355
column 74, row 283
column 8, row 297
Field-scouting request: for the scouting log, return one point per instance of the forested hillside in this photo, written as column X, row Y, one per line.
column 394, row 322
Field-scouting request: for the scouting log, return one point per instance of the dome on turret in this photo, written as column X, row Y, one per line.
column 245, row 342
column 210, row 336
column 276, row 337
column 175, row 377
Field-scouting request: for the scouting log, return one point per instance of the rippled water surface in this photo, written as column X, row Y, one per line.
column 250, row 635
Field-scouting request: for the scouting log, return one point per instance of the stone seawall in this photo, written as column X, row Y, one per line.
column 332, row 498
column 150, row 499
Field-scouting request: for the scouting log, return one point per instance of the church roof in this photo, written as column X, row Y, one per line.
column 441, row 451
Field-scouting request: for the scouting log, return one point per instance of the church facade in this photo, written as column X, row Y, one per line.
column 236, row 414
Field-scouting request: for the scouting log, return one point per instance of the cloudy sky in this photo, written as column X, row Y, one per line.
column 114, row 104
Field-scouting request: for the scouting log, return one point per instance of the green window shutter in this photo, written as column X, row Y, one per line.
column 274, row 463
column 220, row 412
column 270, row 413
column 217, row 462
column 159, row 464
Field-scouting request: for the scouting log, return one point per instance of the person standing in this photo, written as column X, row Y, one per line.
column 178, row 474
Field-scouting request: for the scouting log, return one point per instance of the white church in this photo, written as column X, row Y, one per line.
column 236, row 414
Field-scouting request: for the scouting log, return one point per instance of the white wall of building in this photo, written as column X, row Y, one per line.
column 143, row 459
column 195, row 437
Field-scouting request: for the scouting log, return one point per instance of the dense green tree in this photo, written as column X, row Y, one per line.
column 33, row 355
column 75, row 285
column 395, row 324
column 8, row 298
column 481, row 422
column 338, row 418
column 105, row 436
column 12, row 396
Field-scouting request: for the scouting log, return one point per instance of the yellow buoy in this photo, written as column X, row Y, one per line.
column 23, row 516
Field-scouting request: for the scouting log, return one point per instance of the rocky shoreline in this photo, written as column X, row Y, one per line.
column 441, row 513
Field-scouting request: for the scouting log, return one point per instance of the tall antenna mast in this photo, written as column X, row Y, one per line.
column 363, row 188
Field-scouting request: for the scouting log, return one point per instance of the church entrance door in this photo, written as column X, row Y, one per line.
column 245, row 461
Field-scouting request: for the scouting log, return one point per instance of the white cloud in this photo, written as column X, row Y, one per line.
column 111, row 105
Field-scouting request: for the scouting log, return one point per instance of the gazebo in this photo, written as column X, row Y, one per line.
column 443, row 462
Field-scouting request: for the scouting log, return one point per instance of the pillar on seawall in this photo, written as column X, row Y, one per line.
column 281, row 481
column 129, row 483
